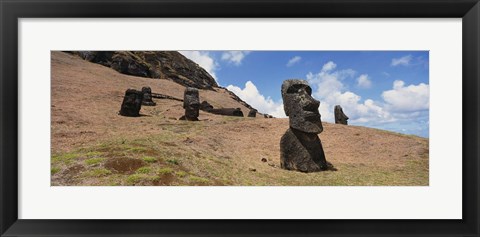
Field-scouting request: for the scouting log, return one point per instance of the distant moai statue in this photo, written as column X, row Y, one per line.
column 205, row 106
column 227, row 112
column 132, row 103
column 147, row 96
column 191, row 104
column 340, row 117
column 300, row 146
column 252, row 113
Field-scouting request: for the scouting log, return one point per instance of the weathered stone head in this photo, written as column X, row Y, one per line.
column 132, row 103
column 252, row 113
column 301, row 107
column 191, row 103
column 147, row 96
column 300, row 146
column 340, row 117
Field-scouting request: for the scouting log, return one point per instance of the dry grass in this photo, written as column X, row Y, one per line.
column 87, row 133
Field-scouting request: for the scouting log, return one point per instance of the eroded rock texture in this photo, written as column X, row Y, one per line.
column 252, row 113
column 132, row 103
column 147, row 96
column 300, row 146
column 191, row 104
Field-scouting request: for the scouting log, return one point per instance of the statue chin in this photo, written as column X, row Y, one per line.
column 308, row 127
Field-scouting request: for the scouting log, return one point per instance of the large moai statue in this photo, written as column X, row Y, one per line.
column 132, row 103
column 252, row 113
column 340, row 117
column 300, row 146
column 191, row 104
column 147, row 97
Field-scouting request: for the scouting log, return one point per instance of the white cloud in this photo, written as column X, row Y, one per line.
column 404, row 61
column 330, row 90
column 252, row 96
column 363, row 81
column 234, row 57
column 293, row 61
column 204, row 60
column 402, row 107
column 329, row 66
column 407, row 98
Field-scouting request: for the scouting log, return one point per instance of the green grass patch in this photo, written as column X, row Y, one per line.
column 66, row 158
column 149, row 159
column 163, row 171
column 54, row 170
column 173, row 161
column 138, row 178
column 144, row 170
column 181, row 174
column 93, row 154
column 97, row 173
column 94, row 161
column 198, row 179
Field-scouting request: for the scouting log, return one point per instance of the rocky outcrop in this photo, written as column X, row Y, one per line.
column 169, row 65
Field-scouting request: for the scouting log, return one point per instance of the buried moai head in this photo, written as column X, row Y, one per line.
column 301, row 107
column 147, row 96
column 132, row 103
column 191, row 103
column 340, row 117
column 252, row 113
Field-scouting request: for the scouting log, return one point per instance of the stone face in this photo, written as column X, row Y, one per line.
column 228, row 112
column 191, row 104
column 300, row 146
column 340, row 117
column 147, row 97
column 205, row 106
column 132, row 103
column 301, row 107
column 252, row 113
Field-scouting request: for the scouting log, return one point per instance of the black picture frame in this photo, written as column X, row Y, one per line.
column 11, row 11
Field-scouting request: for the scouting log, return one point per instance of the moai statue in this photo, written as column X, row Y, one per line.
column 132, row 103
column 147, row 97
column 252, row 113
column 340, row 117
column 191, row 104
column 300, row 146
column 205, row 106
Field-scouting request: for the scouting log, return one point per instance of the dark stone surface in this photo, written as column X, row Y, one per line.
column 301, row 107
column 252, row 113
column 302, row 151
column 340, row 117
column 228, row 112
column 153, row 64
column 191, row 104
column 147, row 97
column 132, row 103
column 300, row 146
column 205, row 106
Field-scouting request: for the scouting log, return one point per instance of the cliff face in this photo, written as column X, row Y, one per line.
column 169, row 65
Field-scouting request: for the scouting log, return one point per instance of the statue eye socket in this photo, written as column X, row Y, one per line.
column 299, row 88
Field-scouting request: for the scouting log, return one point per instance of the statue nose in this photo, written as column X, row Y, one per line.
column 310, row 103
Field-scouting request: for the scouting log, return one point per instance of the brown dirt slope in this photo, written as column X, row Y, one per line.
column 92, row 145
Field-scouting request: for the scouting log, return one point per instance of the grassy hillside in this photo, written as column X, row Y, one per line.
column 92, row 145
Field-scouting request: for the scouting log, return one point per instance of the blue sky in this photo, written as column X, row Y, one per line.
column 381, row 89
